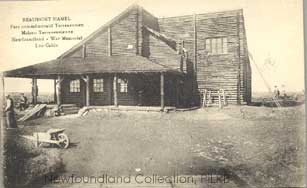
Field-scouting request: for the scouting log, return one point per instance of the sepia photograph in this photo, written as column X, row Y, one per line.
column 152, row 93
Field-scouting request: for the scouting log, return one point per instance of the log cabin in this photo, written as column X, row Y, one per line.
column 137, row 59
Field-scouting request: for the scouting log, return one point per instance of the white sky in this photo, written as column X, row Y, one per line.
column 274, row 33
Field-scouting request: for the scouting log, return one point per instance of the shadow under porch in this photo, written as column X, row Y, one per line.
column 139, row 89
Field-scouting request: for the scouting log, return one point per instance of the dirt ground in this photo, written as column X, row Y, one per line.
column 260, row 146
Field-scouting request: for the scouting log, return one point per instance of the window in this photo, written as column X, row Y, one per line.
column 217, row 45
column 74, row 86
column 123, row 85
column 98, row 85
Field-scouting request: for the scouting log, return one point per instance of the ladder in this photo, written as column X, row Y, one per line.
column 207, row 98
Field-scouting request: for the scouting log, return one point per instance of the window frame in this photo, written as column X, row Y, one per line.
column 217, row 45
column 98, row 85
column 74, row 86
column 123, row 85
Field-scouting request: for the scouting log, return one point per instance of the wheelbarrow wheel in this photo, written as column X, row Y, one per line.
column 63, row 140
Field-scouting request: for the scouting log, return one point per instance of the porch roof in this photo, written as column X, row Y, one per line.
column 90, row 65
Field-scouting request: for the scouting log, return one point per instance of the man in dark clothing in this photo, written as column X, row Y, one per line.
column 276, row 93
column 23, row 102
column 10, row 114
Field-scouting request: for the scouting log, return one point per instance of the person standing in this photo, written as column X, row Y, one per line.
column 10, row 114
column 23, row 102
column 276, row 93
column 283, row 91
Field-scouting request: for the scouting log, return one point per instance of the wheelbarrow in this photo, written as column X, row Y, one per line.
column 52, row 137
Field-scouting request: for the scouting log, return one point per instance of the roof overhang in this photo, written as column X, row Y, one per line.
column 90, row 65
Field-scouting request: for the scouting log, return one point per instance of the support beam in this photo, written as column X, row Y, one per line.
column 162, row 90
column 87, row 90
column 220, row 99
column 195, row 46
column 55, row 92
column 239, row 62
column 2, row 132
column 177, row 92
column 34, row 90
column 115, row 90
column 137, row 32
column 58, row 90
column 194, row 85
column 2, row 104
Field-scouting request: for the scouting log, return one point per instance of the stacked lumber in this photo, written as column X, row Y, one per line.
column 37, row 111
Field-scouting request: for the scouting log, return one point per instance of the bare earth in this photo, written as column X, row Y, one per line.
column 259, row 146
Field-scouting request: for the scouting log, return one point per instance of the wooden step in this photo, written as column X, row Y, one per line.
column 70, row 111
column 68, row 105
column 70, row 108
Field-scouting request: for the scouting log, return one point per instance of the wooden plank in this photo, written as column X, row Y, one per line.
column 28, row 112
column 33, row 112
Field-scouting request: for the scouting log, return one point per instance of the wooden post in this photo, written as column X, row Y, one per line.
column 55, row 92
column 195, row 46
column 239, row 61
column 2, row 132
column 137, row 33
column 220, row 101
column 34, row 90
column 87, row 90
column 224, row 97
column 162, row 90
column 204, row 98
column 2, row 102
column 209, row 99
column 115, row 90
column 58, row 90
column 177, row 92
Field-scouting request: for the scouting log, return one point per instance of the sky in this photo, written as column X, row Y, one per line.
column 274, row 34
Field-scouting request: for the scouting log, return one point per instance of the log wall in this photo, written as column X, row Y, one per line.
column 101, row 98
column 67, row 97
column 160, row 52
column 125, row 36
column 230, row 71
column 98, row 46
column 124, row 33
